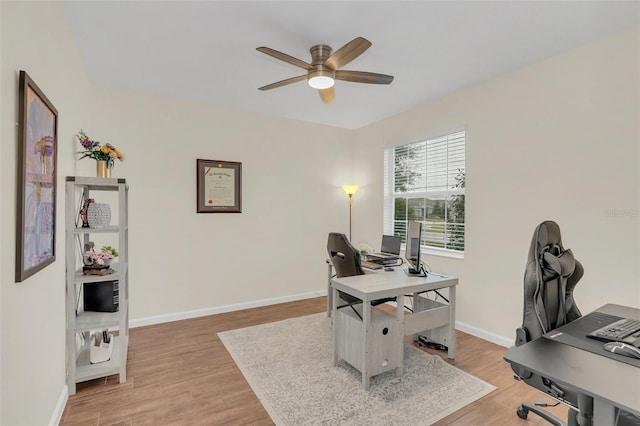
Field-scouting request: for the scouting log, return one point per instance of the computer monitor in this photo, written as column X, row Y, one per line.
column 412, row 247
column 390, row 244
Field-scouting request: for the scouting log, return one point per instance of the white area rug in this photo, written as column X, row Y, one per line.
column 289, row 365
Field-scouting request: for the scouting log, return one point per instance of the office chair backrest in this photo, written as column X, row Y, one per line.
column 550, row 277
column 343, row 255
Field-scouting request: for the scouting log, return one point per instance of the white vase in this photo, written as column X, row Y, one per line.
column 98, row 215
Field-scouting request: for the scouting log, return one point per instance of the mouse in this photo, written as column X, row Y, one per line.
column 621, row 348
column 388, row 269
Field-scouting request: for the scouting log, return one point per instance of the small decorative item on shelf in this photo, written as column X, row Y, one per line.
column 98, row 263
column 103, row 154
column 103, row 258
column 87, row 260
column 98, row 215
column 97, row 270
column 83, row 212
column 109, row 249
column 101, row 347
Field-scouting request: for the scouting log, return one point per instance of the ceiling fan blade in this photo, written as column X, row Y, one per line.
column 283, row 82
column 284, row 57
column 327, row 95
column 363, row 77
column 347, row 53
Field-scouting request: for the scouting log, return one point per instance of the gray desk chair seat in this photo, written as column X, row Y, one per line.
column 346, row 261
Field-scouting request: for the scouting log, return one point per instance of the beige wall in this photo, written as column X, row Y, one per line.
column 184, row 261
column 35, row 37
column 556, row 140
column 581, row 106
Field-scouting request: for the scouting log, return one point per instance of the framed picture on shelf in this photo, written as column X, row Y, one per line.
column 219, row 186
column 37, row 162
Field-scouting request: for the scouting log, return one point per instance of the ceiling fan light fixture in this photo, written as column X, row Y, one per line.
column 325, row 67
column 321, row 79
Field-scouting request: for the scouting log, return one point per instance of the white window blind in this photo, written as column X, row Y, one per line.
column 425, row 181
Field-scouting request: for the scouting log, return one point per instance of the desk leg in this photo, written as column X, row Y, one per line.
column 366, row 361
column 329, row 292
column 399, row 344
column 415, row 309
column 451, row 353
column 603, row 412
column 334, row 309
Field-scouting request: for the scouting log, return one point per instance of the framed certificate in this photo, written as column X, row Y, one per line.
column 219, row 186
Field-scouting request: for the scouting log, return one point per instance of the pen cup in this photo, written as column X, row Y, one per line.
column 102, row 352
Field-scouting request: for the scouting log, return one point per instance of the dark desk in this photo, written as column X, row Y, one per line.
column 611, row 383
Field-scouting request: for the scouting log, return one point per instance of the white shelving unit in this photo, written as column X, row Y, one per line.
column 79, row 322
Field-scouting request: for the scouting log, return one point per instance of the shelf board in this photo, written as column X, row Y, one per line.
column 95, row 183
column 87, row 371
column 113, row 229
column 86, row 321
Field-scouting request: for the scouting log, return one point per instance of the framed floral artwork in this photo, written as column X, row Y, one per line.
column 219, row 186
column 37, row 162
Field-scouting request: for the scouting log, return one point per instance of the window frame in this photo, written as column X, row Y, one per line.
column 389, row 194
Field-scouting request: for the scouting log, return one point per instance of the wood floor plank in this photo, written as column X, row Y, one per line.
column 180, row 373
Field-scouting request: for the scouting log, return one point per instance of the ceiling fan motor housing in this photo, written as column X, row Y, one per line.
column 319, row 54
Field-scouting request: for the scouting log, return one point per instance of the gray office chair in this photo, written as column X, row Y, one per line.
column 551, row 275
column 346, row 261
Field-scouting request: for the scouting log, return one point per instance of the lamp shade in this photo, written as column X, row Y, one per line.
column 350, row 189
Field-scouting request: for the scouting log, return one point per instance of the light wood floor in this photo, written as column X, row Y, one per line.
column 180, row 373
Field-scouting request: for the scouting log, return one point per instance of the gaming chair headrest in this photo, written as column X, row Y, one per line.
column 547, row 251
column 547, row 234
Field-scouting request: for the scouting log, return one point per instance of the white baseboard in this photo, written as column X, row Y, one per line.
column 474, row 331
column 62, row 402
column 140, row 322
column 485, row 335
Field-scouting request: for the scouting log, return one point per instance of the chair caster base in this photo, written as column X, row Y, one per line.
column 522, row 412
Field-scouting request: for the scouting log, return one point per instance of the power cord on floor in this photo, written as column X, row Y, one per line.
column 424, row 341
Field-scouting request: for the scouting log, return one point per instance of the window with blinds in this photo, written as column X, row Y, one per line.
column 425, row 181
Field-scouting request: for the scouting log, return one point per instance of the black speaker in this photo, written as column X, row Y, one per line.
column 101, row 296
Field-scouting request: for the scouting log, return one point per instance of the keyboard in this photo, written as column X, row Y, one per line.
column 370, row 265
column 623, row 330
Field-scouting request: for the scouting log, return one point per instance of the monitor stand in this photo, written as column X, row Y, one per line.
column 415, row 272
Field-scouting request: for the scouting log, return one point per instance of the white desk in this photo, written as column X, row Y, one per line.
column 375, row 344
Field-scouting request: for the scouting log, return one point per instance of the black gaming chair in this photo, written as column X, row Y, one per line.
column 347, row 263
column 551, row 275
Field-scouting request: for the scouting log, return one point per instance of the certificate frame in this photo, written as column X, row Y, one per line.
column 219, row 186
column 36, row 180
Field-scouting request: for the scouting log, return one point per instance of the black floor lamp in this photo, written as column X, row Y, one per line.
column 350, row 190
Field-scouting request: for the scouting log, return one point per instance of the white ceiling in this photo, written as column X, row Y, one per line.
column 206, row 50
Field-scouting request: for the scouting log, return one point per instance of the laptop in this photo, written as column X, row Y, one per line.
column 389, row 249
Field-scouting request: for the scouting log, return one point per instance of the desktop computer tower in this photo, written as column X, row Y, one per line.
column 101, row 296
